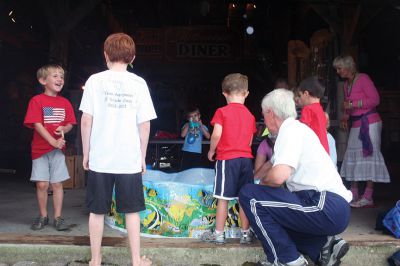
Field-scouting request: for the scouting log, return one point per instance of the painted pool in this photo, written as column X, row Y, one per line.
column 179, row 205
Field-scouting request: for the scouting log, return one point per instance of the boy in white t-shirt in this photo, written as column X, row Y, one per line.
column 117, row 109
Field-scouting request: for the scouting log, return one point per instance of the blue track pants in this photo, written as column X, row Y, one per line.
column 291, row 222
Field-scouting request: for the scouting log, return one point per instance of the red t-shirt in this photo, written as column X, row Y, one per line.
column 313, row 116
column 238, row 128
column 52, row 112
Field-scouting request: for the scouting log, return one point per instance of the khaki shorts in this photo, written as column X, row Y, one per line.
column 50, row 167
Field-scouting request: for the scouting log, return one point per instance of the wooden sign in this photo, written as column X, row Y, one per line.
column 194, row 44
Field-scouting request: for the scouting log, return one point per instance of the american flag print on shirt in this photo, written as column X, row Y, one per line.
column 53, row 115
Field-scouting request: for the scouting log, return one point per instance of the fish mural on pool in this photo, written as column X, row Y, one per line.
column 177, row 210
column 151, row 192
column 233, row 216
column 207, row 199
column 153, row 219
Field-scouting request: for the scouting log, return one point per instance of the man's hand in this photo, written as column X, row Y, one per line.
column 277, row 175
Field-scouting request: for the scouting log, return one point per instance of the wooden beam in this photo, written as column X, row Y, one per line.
column 145, row 242
column 58, row 240
column 351, row 16
column 369, row 10
column 327, row 12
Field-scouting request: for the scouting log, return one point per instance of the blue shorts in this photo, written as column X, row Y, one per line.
column 230, row 176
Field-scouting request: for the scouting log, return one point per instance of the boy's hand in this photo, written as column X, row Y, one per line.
column 60, row 131
column 143, row 167
column 85, row 163
column 58, row 143
column 210, row 155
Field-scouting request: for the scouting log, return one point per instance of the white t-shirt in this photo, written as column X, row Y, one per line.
column 299, row 147
column 118, row 102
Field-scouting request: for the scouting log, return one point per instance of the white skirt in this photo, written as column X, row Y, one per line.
column 356, row 167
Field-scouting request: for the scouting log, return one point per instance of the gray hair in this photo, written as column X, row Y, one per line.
column 345, row 61
column 281, row 102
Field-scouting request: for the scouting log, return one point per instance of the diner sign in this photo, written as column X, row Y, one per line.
column 202, row 44
column 149, row 42
column 203, row 50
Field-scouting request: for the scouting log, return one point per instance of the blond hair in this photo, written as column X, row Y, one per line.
column 44, row 71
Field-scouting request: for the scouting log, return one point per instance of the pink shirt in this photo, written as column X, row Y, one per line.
column 365, row 90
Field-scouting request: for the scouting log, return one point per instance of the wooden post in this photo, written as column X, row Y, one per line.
column 76, row 172
column 298, row 61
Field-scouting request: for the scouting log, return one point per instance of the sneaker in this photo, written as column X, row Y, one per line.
column 246, row 237
column 363, row 203
column 340, row 249
column 354, row 200
column 301, row 261
column 334, row 249
column 39, row 223
column 213, row 237
column 264, row 262
column 60, row 225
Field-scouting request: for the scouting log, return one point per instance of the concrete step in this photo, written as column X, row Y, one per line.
column 360, row 253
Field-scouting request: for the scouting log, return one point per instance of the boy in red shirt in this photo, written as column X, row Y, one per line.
column 310, row 91
column 51, row 116
column 231, row 139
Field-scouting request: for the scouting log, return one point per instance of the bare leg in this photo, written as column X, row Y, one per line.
column 58, row 195
column 96, row 226
column 369, row 191
column 133, row 228
column 41, row 194
column 245, row 225
column 222, row 213
column 354, row 191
